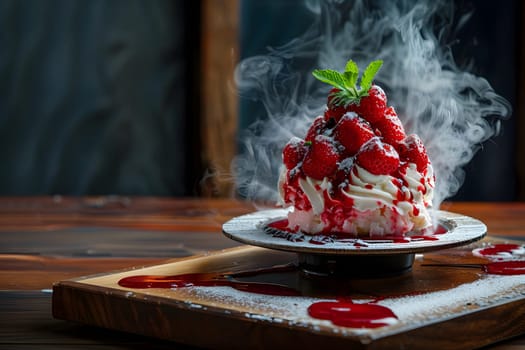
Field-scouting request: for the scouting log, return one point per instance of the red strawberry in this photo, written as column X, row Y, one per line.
column 318, row 127
column 372, row 107
column 321, row 159
column 391, row 128
column 332, row 111
column 331, row 96
column 412, row 150
column 378, row 158
column 352, row 132
column 293, row 152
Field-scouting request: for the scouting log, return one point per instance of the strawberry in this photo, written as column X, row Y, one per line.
column 391, row 128
column 335, row 113
column 412, row 150
column 331, row 95
column 378, row 158
column 294, row 152
column 321, row 159
column 317, row 128
column 332, row 110
column 352, row 132
column 366, row 99
column 372, row 107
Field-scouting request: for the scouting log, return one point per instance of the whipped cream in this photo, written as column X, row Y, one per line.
column 365, row 204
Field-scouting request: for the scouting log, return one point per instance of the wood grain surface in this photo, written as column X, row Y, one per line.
column 47, row 239
column 213, row 318
column 220, row 55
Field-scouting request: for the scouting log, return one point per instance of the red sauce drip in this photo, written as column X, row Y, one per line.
column 205, row 280
column 281, row 225
column 369, row 186
column 293, row 194
column 440, row 230
column 515, row 267
column 498, row 248
column 347, row 314
column 359, row 245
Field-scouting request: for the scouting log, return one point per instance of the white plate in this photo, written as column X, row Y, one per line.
column 252, row 229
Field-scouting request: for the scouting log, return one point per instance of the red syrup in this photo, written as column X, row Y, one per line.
column 498, row 249
column 343, row 312
column 501, row 251
column 211, row 280
column 500, row 266
column 347, row 314
column 508, row 268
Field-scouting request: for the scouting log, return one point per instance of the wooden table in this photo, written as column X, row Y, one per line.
column 48, row 239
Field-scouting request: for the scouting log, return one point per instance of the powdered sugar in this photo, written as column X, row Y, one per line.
column 412, row 311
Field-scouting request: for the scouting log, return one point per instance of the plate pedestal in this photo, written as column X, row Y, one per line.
column 370, row 266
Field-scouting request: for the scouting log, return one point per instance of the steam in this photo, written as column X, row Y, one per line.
column 452, row 110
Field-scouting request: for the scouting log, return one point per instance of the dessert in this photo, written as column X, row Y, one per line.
column 356, row 172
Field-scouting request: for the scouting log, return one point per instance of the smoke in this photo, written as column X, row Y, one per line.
column 452, row 110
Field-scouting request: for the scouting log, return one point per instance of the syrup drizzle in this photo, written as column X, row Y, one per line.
column 506, row 256
column 213, row 280
column 500, row 250
column 513, row 267
column 508, row 252
column 343, row 312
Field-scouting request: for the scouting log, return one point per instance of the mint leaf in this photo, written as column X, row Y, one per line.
column 351, row 73
column 369, row 74
column 331, row 77
column 346, row 83
column 350, row 79
column 351, row 66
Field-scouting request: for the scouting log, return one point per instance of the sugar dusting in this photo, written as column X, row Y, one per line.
column 412, row 311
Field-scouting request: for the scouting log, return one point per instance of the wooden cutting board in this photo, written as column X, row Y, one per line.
column 437, row 307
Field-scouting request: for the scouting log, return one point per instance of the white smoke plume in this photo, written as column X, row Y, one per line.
column 452, row 110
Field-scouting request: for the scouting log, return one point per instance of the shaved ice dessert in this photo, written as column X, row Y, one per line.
column 356, row 172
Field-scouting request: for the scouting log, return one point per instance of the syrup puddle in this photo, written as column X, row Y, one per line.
column 342, row 312
column 508, row 260
column 215, row 280
column 346, row 313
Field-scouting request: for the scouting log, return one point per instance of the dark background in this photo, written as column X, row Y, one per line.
column 101, row 97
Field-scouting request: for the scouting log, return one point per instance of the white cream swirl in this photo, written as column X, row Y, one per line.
column 381, row 204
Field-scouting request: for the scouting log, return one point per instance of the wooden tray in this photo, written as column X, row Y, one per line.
column 438, row 307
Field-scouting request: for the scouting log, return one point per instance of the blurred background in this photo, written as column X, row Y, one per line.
column 137, row 97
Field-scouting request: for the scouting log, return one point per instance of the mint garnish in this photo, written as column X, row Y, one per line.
column 346, row 82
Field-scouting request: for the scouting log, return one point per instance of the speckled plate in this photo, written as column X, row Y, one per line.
column 253, row 229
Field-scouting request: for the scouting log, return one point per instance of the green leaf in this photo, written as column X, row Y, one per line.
column 351, row 73
column 350, row 79
column 346, row 82
column 331, row 77
column 369, row 74
column 351, row 66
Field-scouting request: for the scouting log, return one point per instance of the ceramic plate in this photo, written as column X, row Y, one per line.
column 253, row 229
